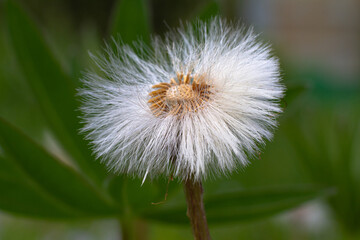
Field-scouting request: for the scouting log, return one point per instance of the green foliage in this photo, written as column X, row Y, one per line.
column 52, row 177
column 131, row 21
column 327, row 146
column 52, row 87
column 20, row 195
column 212, row 9
column 240, row 205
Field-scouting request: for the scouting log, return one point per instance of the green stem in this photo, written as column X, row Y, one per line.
column 133, row 229
column 127, row 230
column 127, row 221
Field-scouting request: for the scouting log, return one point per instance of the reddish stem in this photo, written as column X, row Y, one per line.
column 196, row 210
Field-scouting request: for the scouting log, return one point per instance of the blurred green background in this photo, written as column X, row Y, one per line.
column 304, row 185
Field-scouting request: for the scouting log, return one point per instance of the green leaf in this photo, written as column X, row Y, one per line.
column 324, row 140
column 138, row 196
column 242, row 205
column 19, row 195
column 53, row 88
column 130, row 20
column 212, row 9
column 293, row 92
column 53, row 177
column 20, row 198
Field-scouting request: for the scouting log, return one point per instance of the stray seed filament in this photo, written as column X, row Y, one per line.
column 185, row 94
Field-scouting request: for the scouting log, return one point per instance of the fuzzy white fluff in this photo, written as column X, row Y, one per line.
column 128, row 138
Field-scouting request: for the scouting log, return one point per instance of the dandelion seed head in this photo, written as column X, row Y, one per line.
column 199, row 103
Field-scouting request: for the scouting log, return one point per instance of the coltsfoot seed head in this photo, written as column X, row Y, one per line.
column 198, row 104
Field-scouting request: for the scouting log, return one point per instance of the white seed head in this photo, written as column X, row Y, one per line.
column 197, row 104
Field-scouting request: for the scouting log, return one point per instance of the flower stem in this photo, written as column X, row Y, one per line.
column 133, row 229
column 127, row 220
column 196, row 210
column 127, row 231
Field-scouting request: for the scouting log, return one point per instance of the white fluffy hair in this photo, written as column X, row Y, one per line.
column 217, row 138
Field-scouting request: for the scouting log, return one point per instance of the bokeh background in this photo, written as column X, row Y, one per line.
column 317, row 144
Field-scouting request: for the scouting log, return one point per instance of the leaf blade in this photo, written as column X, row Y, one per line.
column 54, row 177
column 131, row 21
column 52, row 87
column 237, row 206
